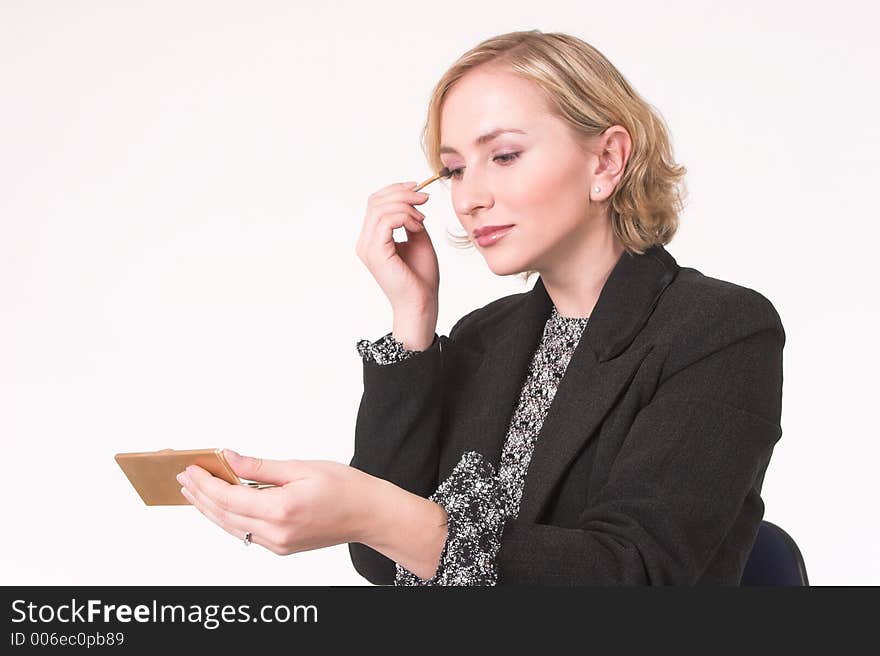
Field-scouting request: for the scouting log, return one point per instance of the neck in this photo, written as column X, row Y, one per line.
column 575, row 281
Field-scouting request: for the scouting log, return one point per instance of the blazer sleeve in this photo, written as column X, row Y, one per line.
column 683, row 474
column 385, row 350
column 476, row 506
column 397, row 434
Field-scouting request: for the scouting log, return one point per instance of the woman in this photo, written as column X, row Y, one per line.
column 611, row 426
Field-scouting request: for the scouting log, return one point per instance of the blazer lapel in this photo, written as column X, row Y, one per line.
column 508, row 348
column 599, row 371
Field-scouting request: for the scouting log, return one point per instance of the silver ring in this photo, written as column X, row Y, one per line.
column 247, row 539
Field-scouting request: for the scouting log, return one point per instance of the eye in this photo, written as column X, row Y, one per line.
column 506, row 159
column 512, row 157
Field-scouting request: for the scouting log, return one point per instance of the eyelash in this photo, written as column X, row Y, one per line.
column 513, row 156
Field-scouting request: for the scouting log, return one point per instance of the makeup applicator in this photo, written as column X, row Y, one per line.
column 442, row 173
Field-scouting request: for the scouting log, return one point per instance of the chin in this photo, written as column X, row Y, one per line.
column 505, row 266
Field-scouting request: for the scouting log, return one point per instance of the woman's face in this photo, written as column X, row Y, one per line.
column 537, row 179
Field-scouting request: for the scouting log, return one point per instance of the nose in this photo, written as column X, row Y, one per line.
column 471, row 194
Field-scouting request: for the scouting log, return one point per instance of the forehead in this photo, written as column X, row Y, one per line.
column 486, row 99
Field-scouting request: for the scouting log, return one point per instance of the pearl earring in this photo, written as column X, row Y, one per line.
column 597, row 189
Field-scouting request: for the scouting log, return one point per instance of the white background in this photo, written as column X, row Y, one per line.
column 182, row 186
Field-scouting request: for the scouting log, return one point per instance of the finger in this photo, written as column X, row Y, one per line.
column 264, row 502
column 383, row 232
column 380, row 220
column 416, row 233
column 397, row 206
column 410, row 225
column 237, row 499
column 402, row 197
column 378, row 211
column 397, row 187
column 236, row 530
column 389, row 216
column 278, row 472
column 394, row 192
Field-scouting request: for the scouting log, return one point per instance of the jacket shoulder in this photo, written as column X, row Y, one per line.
column 699, row 314
column 491, row 312
column 711, row 298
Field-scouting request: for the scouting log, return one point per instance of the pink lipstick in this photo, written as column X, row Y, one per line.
column 490, row 234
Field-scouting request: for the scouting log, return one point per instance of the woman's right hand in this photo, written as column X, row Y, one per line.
column 407, row 272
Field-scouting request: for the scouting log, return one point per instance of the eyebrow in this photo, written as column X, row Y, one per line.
column 483, row 139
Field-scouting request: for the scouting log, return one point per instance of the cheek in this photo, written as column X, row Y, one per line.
column 546, row 192
column 539, row 181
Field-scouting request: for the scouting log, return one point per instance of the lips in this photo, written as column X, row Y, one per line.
column 492, row 236
column 487, row 230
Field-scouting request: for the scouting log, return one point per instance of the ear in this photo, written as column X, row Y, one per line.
column 613, row 149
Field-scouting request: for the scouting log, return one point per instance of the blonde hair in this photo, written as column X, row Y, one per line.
column 587, row 92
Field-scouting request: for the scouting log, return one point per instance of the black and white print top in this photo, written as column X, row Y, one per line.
column 477, row 499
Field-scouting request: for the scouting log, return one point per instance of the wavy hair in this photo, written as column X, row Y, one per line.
column 587, row 92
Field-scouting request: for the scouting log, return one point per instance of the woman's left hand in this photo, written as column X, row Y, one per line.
column 318, row 503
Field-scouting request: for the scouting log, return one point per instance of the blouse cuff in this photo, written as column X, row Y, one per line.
column 385, row 350
column 475, row 504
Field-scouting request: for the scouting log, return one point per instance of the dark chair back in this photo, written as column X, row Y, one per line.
column 774, row 560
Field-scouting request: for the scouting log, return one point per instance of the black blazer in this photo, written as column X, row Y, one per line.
column 649, row 465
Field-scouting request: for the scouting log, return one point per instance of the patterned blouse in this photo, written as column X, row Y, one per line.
column 477, row 499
